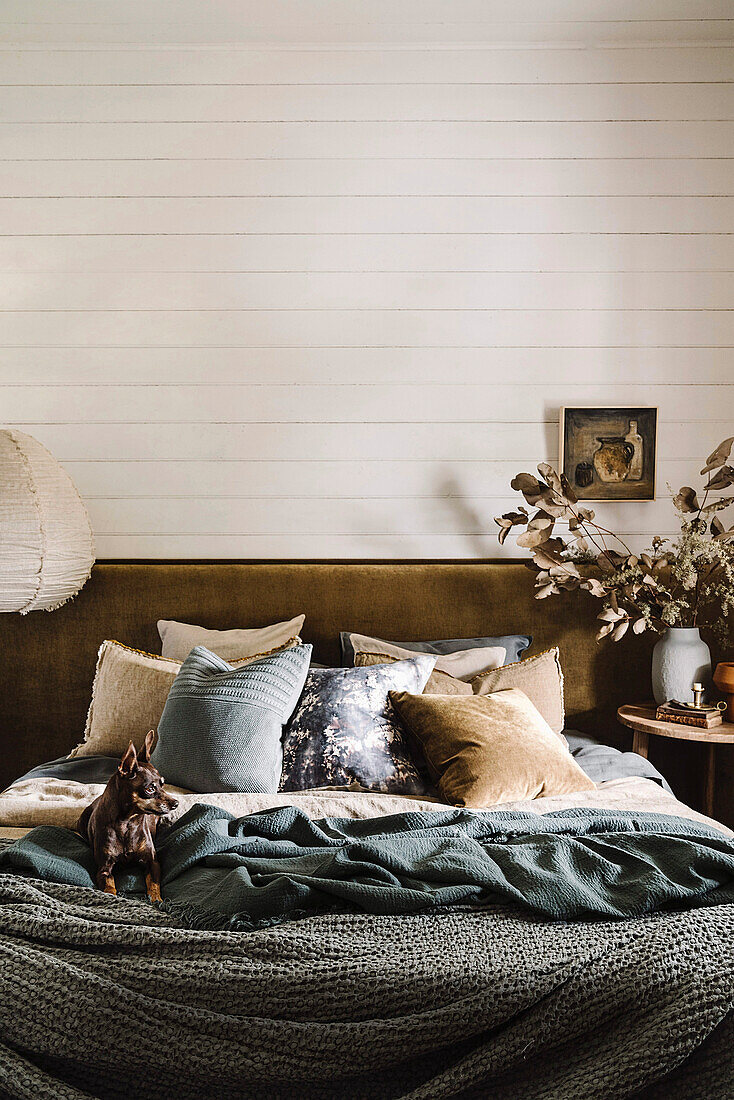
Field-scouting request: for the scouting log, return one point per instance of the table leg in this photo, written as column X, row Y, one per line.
column 709, row 781
column 640, row 742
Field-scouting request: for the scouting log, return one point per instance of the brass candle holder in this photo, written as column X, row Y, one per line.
column 698, row 690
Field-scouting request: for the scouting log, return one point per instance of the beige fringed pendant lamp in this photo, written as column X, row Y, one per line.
column 46, row 546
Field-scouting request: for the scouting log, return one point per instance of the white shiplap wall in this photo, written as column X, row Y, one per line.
column 313, row 279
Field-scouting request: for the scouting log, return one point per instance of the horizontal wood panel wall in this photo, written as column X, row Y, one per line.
column 282, row 281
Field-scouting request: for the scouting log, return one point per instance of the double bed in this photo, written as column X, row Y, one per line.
column 112, row 997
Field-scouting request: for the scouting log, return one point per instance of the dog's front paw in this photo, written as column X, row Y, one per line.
column 153, row 889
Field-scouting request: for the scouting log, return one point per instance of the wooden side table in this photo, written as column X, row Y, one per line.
column 642, row 721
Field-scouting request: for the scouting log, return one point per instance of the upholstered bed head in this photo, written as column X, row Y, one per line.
column 49, row 659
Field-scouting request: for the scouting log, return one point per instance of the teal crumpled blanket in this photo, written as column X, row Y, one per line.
column 241, row 873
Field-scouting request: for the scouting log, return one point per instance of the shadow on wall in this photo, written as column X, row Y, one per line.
column 477, row 530
column 551, row 416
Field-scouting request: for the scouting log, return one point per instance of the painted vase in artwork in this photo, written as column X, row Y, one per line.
column 680, row 658
column 612, row 458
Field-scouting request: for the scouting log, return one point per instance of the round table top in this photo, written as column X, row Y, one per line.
column 641, row 717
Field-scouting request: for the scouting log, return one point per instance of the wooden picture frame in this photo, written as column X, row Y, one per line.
column 609, row 453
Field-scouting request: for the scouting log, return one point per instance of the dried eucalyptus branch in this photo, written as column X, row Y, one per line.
column 690, row 583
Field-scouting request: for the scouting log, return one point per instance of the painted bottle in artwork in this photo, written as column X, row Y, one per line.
column 635, row 467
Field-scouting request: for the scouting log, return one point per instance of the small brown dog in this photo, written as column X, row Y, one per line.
column 121, row 824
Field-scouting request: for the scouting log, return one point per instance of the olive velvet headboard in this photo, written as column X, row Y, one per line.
column 49, row 658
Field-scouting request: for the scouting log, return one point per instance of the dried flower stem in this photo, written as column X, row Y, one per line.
column 691, row 583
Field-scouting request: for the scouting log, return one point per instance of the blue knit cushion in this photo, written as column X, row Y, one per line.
column 221, row 727
column 345, row 730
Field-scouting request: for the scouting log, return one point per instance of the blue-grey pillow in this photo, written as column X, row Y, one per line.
column 221, row 727
column 514, row 645
column 345, row 730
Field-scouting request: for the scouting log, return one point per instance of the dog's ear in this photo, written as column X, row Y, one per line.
column 145, row 752
column 129, row 763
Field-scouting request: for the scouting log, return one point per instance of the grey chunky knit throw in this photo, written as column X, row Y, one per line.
column 111, row 998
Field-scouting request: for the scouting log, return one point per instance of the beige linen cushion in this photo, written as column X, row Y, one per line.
column 463, row 665
column 178, row 639
column 128, row 695
column 540, row 677
column 439, row 683
column 483, row 750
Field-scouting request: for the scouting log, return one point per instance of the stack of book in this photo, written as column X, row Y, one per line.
column 703, row 717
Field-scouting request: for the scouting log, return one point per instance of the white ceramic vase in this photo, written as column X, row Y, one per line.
column 680, row 659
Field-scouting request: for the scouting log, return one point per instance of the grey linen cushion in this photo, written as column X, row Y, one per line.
column 221, row 727
column 513, row 644
column 345, row 730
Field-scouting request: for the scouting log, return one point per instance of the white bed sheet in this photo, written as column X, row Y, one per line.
column 46, row 801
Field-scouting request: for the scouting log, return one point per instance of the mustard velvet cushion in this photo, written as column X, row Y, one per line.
column 482, row 750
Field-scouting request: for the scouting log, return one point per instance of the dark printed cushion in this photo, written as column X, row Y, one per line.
column 345, row 730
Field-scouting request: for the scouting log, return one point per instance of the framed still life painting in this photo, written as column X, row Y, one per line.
column 609, row 454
